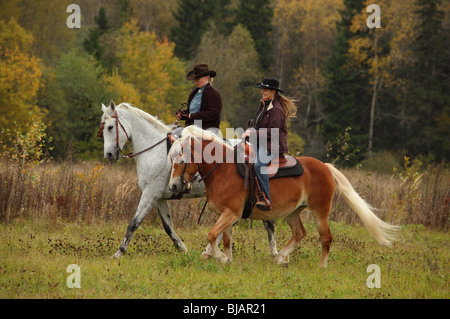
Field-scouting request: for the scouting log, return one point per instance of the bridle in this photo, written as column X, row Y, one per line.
column 183, row 180
column 130, row 155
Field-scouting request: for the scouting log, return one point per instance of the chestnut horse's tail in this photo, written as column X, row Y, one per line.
column 382, row 231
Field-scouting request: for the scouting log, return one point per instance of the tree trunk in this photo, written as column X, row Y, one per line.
column 374, row 98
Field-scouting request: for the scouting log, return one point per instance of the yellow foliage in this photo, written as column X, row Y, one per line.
column 20, row 75
column 149, row 64
column 13, row 35
column 224, row 124
column 90, row 180
column 296, row 144
column 306, row 21
column 25, row 149
column 397, row 28
column 125, row 92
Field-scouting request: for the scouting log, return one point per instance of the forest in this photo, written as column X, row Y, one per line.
column 373, row 94
column 364, row 95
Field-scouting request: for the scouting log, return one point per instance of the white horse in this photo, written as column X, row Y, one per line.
column 148, row 138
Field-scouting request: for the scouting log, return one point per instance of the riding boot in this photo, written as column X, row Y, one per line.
column 263, row 202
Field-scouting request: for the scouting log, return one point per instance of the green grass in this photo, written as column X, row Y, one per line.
column 34, row 256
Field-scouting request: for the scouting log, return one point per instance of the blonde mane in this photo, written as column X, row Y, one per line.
column 144, row 115
column 197, row 134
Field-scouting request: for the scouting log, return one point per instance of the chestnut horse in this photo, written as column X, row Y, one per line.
column 226, row 194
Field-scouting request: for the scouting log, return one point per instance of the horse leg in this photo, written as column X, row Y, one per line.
column 227, row 243
column 321, row 209
column 269, row 225
column 325, row 238
column 207, row 253
column 226, row 220
column 166, row 218
column 298, row 232
column 144, row 206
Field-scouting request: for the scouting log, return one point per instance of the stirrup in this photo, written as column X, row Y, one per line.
column 263, row 203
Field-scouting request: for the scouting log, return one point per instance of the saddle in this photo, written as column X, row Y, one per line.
column 283, row 166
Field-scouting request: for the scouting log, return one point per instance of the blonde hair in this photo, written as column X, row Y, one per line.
column 288, row 104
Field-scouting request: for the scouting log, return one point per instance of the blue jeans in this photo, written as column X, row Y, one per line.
column 262, row 161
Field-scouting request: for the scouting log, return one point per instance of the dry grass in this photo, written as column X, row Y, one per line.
column 406, row 198
column 69, row 191
column 82, row 192
column 93, row 191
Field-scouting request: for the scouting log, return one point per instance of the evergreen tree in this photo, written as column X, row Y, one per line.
column 92, row 43
column 256, row 16
column 429, row 91
column 125, row 11
column 102, row 20
column 343, row 94
column 194, row 17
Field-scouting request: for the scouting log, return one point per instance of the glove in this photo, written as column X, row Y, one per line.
column 183, row 115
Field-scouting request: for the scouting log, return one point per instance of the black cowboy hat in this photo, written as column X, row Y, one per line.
column 199, row 71
column 269, row 83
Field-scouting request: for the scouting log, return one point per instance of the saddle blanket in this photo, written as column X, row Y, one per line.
column 294, row 168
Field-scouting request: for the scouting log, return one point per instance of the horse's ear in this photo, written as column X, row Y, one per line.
column 103, row 108
column 112, row 105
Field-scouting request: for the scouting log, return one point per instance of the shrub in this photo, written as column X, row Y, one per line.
column 382, row 162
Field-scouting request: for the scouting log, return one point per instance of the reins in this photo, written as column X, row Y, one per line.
column 223, row 161
column 131, row 155
column 207, row 174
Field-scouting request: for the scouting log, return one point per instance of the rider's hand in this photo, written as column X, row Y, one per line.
column 182, row 115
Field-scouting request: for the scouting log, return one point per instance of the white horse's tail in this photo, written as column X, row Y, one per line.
column 382, row 231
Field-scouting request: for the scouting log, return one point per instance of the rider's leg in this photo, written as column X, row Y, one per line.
column 262, row 161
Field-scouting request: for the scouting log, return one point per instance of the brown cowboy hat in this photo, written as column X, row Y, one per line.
column 199, row 71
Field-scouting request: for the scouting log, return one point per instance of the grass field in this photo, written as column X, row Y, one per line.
column 57, row 214
column 34, row 256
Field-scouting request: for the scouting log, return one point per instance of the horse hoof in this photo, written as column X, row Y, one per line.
column 117, row 255
column 182, row 250
column 205, row 255
column 282, row 259
column 223, row 259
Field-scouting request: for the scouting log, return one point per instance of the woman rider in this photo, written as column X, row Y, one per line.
column 204, row 102
column 273, row 111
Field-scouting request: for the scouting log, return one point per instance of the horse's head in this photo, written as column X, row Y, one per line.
column 184, row 167
column 113, row 132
